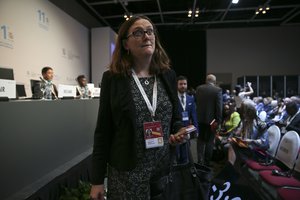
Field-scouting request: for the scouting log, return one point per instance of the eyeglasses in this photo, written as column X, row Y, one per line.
column 139, row 33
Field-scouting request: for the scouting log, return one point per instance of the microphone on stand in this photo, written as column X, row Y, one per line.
column 43, row 80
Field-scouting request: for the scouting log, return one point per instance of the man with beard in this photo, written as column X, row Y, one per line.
column 187, row 108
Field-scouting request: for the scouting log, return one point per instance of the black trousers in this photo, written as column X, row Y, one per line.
column 205, row 144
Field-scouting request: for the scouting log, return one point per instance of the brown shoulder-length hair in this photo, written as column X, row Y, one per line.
column 248, row 110
column 122, row 60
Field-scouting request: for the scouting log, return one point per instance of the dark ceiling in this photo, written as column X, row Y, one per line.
column 173, row 14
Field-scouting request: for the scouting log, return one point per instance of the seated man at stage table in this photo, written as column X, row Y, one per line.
column 46, row 89
column 82, row 90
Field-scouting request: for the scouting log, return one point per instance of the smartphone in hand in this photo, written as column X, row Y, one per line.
column 192, row 131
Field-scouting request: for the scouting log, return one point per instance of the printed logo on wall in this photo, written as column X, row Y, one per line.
column 43, row 20
column 32, row 74
column 72, row 55
column 70, row 79
column 69, row 54
column 6, row 37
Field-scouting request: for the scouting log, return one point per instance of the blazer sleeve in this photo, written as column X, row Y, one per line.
column 295, row 125
column 103, row 128
column 219, row 106
column 194, row 113
column 176, row 119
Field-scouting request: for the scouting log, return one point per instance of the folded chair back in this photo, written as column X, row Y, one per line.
column 288, row 149
column 274, row 139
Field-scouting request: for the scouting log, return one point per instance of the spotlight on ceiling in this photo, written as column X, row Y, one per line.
column 262, row 9
column 195, row 13
column 127, row 16
column 235, row 1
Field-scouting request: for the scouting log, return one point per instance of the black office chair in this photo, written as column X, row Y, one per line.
column 20, row 91
column 36, row 89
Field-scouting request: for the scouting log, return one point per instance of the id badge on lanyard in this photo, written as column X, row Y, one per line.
column 153, row 133
column 185, row 116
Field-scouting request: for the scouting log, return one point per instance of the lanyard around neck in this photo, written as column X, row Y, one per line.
column 152, row 107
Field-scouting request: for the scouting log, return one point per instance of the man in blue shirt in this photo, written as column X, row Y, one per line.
column 187, row 109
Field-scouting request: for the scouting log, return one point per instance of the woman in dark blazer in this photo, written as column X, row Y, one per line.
column 138, row 93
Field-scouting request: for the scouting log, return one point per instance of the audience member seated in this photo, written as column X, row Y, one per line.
column 257, row 101
column 266, row 107
column 293, row 121
column 278, row 113
column 82, row 90
column 250, row 135
column 226, row 96
column 230, row 123
column 41, row 90
column 296, row 99
column 231, row 120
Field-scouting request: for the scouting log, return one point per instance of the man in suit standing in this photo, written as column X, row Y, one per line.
column 187, row 109
column 209, row 110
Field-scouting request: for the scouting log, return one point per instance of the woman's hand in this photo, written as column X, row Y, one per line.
column 248, row 140
column 97, row 192
column 180, row 137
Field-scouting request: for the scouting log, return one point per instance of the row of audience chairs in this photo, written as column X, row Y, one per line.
column 279, row 179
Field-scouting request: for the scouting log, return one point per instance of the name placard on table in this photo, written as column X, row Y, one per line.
column 8, row 88
column 91, row 87
column 96, row 92
column 66, row 91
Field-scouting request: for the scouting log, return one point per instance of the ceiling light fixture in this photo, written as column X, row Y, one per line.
column 262, row 9
column 196, row 13
column 235, row 1
column 190, row 13
column 127, row 16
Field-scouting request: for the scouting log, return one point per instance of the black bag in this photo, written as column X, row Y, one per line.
column 185, row 182
column 218, row 151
